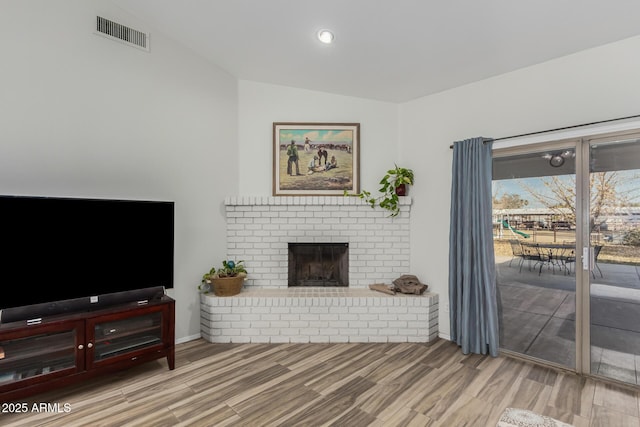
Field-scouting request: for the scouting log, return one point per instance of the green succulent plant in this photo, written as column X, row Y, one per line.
column 229, row 269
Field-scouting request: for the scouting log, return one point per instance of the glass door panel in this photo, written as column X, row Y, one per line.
column 613, row 270
column 534, row 217
column 35, row 355
column 114, row 338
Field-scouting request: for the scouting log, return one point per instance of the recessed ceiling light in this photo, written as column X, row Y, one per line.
column 325, row 36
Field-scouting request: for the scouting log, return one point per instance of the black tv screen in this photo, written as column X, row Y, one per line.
column 64, row 248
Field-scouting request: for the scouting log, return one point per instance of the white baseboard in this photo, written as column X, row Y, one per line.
column 188, row 338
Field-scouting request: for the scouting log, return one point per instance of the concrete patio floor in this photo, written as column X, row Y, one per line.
column 537, row 316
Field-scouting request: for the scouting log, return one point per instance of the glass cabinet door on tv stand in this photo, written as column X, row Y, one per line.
column 27, row 355
column 123, row 337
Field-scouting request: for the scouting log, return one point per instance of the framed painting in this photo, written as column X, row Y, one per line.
column 316, row 159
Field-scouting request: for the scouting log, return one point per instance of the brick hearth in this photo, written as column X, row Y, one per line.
column 319, row 315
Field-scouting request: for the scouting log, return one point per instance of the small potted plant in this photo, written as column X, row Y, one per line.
column 225, row 281
column 393, row 184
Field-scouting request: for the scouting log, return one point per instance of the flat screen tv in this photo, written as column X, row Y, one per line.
column 58, row 248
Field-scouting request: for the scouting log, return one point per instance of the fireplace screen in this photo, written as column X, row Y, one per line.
column 318, row 264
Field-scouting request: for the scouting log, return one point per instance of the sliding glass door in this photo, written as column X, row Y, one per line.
column 567, row 247
column 612, row 267
column 534, row 213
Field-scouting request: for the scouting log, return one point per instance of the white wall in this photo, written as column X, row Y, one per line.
column 594, row 85
column 260, row 105
column 81, row 115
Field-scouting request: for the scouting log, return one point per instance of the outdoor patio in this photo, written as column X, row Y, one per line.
column 537, row 316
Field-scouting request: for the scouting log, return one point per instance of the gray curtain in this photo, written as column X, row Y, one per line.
column 473, row 310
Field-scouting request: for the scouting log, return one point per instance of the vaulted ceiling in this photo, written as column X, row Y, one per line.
column 388, row 50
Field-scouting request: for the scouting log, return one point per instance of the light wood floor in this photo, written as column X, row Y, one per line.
column 333, row 384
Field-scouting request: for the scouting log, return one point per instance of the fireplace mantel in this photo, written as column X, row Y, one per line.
column 306, row 201
column 259, row 229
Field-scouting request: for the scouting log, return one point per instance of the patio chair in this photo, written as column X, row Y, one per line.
column 571, row 259
column 567, row 259
column 596, row 252
column 516, row 251
column 534, row 255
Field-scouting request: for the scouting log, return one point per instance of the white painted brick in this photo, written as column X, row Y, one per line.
column 376, row 324
column 280, row 324
column 341, row 309
column 397, row 338
column 220, row 340
column 401, row 324
column 242, row 325
column 300, row 324
column 280, row 310
column 260, row 324
column 309, row 317
column 221, row 325
column 357, row 324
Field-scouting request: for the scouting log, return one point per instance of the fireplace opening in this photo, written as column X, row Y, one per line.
column 318, row 264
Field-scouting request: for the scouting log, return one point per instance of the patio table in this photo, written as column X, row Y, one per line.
column 553, row 255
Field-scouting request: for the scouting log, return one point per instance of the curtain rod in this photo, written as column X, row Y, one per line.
column 557, row 129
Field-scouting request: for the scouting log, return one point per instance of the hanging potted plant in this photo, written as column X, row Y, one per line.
column 393, row 184
column 224, row 281
column 398, row 179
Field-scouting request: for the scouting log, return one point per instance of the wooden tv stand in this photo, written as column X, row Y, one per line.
column 60, row 350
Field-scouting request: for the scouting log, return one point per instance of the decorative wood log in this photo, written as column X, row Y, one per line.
column 380, row 287
column 409, row 284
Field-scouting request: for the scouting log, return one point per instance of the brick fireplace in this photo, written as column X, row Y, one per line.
column 260, row 231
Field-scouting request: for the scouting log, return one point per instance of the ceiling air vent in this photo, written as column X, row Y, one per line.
column 119, row 32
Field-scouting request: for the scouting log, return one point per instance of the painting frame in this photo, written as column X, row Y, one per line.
column 327, row 162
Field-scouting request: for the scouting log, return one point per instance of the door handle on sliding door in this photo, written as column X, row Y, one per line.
column 586, row 258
